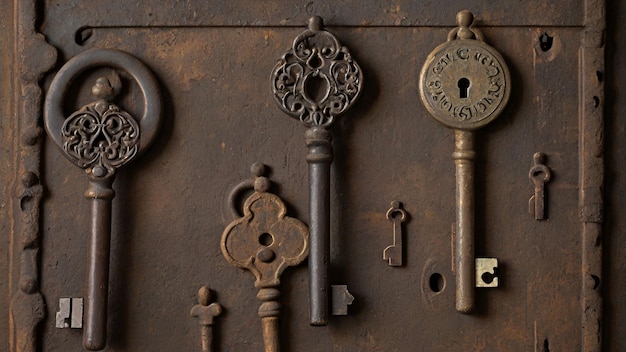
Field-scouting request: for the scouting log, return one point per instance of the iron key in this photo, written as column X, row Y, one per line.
column 539, row 175
column 314, row 82
column 100, row 138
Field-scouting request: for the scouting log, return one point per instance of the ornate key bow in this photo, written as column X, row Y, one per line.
column 266, row 242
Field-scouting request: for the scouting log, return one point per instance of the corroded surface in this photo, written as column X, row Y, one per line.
column 221, row 117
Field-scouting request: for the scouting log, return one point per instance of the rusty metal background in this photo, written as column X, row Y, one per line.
column 559, row 291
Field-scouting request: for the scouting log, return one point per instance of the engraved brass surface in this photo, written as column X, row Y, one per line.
column 465, row 85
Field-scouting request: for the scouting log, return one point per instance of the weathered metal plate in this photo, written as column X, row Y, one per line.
column 219, row 121
column 213, row 61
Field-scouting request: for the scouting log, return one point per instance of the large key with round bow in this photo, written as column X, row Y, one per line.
column 464, row 84
column 265, row 241
column 100, row 138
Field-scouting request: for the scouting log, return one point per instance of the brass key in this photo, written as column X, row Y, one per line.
column 100, row 138
column 464, row 84
column 266, row 242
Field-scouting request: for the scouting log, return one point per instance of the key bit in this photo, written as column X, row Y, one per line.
column 265, row 241
column 487, row 272
column 393, row 253
column 70, row 314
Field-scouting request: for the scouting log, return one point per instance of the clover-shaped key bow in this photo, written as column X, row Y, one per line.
column 266, row 241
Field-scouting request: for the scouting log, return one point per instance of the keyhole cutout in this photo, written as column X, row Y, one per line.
column 488, row 277
column 463, row 84
column 316, row 88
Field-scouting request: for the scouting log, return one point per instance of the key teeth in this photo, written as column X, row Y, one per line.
column 391, row 255
column 341, row 299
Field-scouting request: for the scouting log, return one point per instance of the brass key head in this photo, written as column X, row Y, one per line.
column 465, row 83
column 265, row 240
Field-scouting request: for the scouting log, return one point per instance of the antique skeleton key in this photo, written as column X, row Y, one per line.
column 265, row 241
column 464, row 84
column 393, row 253
column 315, row 81
column 100, row 138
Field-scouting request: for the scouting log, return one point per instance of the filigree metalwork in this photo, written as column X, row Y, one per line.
column 101, row 137
column 317, row 79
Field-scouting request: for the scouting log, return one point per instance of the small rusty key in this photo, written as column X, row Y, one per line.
column 205, row 311
column 265, row 241
column 464, row 85
column 393, row 253
column 100, row 138
column 539, row 175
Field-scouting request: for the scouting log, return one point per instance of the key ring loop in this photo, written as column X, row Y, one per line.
column 149, row 122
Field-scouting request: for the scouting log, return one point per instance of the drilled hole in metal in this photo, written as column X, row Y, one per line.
column 596, row 281
column 82, row 35
column 266, row 239
column 545, row 42
column 396, row 215
column 436, row 282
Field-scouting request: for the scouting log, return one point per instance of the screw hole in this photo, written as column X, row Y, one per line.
column 436, row 282
column 545, row 42
column 82, row 35
column 266, row 239
column 596, row 281
column 600, row 76
column 596, row 102
column 546, row 345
